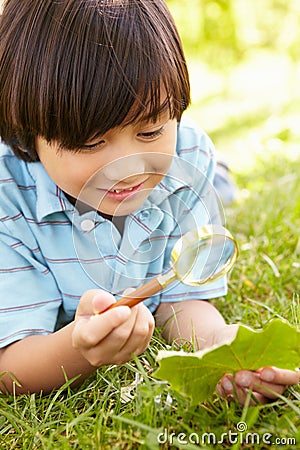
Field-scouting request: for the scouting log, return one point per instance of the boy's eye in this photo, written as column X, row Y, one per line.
column 151, row 134
column 92, row 146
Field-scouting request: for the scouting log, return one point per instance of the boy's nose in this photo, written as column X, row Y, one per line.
column 124, row 168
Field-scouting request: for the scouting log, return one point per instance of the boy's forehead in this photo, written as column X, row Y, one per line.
column 148, row 116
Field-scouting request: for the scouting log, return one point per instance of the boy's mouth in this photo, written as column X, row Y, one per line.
column 123, row 194
column 118, row 191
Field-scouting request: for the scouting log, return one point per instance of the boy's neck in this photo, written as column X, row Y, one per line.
column 118, row 221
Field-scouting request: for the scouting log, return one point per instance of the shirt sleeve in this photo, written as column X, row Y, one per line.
column 30, row 299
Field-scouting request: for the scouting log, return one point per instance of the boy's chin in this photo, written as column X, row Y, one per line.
column 119, row 211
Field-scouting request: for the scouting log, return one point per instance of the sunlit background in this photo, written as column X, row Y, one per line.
column 244, row 59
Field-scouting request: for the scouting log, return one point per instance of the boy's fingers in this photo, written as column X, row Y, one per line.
column 267, row 376
column 142, row 331
column 128, row 291
column 279, row 376
column 269, row 381
column 226, row 384
column 88, row 333
column 85, row 304
column 255, row 397
column 101, row 301
column 259, row 382
column 269, row 390
column 132, row 338
column 233, row 392
column 241, row 395
column 118, row 345
column 94, row 301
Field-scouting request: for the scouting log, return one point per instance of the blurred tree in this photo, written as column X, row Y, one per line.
column 221, row 45
column 208, row 27
column 221, row 31
column 271, row 24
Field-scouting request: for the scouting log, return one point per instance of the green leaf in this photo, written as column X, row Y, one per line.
column 197, row 374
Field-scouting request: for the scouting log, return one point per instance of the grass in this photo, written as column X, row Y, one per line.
column 126, row 407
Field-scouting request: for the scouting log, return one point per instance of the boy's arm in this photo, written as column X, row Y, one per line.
column 200, row 322
column 194, row 321
column 39, row 362
column 92, row 340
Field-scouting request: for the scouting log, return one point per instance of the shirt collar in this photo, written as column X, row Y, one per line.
column 180, row 175
column 50, row 198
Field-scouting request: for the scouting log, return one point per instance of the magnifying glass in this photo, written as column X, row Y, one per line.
column 199, row 257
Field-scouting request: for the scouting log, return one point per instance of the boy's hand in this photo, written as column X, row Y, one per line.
column 113, row 336
column 265, row 384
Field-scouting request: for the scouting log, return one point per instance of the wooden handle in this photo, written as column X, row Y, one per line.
column 140, row 294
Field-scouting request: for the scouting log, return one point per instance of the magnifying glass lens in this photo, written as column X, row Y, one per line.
column 199, row 257
column 206, row 259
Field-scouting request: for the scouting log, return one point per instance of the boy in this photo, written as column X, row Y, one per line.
column 99, row 178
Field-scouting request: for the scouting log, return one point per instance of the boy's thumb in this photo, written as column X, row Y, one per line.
column 128, row 291
column 102, row 301
column 94, row 301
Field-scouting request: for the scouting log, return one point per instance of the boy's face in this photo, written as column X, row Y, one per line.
column 114, row 174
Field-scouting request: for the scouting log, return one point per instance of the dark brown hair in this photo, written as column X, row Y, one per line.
column 70, row 70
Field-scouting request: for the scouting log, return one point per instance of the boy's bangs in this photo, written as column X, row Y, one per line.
column 76, row 69
column 129, row 75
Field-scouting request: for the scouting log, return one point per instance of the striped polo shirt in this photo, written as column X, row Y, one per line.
column 51, row 254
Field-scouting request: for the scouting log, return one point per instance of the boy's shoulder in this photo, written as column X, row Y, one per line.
column 7, row 164
column 12, row 169
column 6, row 155
column 16, row 182
column 195, row 147
column 191, row 137
column 5, row 150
